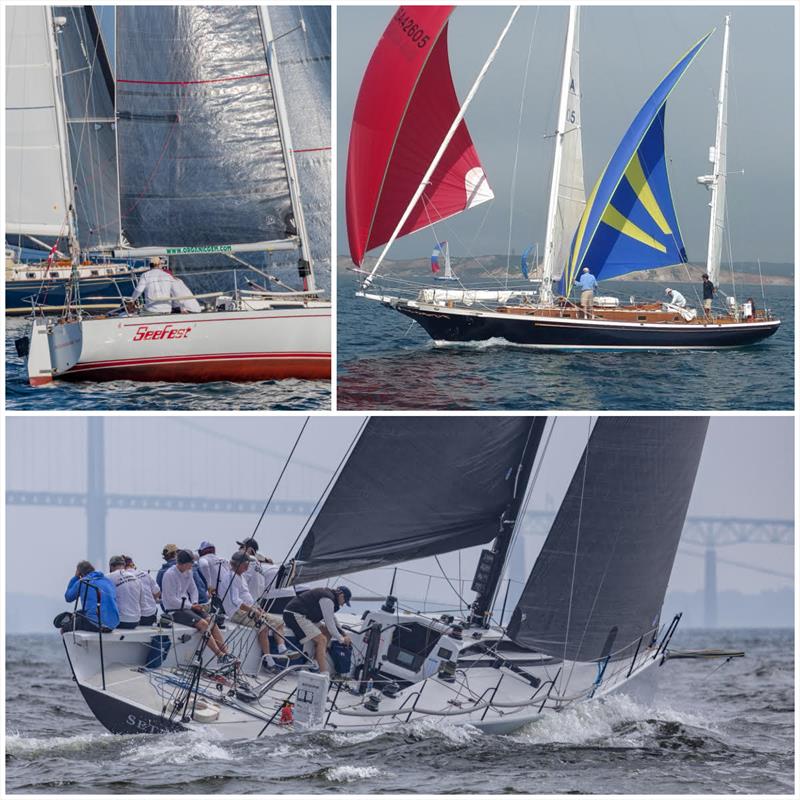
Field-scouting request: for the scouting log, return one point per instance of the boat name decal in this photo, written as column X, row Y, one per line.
column 143, row 725
column 211, row 248
column 169, row 331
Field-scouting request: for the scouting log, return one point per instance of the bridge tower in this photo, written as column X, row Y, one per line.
column 96, row 509
column 710, row 588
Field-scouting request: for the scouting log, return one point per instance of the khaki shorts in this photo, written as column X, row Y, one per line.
column 587, row 298
column 300, row 624
column 243, row 618
column 707, row 304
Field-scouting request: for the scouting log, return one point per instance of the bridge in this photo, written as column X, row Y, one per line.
column 702, row 536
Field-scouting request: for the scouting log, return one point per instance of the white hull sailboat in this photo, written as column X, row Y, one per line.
column 627, row 224
column 587, row 624
column 220, row 109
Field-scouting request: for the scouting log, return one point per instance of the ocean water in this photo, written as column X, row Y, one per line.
column 387, row 361
column 285, row 395
column 710, row 730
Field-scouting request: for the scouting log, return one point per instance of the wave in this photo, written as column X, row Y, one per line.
column 29, row 747
column 347, row 773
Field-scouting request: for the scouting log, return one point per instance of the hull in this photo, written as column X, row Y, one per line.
column 458, row 325
column 252, row 345
column 97, row 294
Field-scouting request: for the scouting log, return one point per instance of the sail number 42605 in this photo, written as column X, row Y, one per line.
column 414, row 32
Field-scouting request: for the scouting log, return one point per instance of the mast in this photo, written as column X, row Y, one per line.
column 66, row 167
column 717, row 156
column 546, row 290
column 306, row 264
column 491, row 562
column 448, row 271
column 442, row 149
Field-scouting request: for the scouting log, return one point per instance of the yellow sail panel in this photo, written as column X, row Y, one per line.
column 636, row 178
column 620, row 223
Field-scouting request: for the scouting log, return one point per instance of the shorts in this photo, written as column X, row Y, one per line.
column 127, row 626
column 186, row 616
column 83, row 623
column 587, row 298
column 302, row 627
column 243, row 618
column 707, row 303
column 147, row 621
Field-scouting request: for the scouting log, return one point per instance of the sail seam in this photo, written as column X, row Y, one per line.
column 190, row 83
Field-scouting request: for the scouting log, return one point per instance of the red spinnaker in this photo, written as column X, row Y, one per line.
column 405, row 107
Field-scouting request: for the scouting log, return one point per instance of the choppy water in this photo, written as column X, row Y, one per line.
column 290, row 394
column 725, row 731
column 387, row 361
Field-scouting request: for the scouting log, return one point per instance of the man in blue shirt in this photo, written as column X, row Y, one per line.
column 588, row 284
column 92, row 586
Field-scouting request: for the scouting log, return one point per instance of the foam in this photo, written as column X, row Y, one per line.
column 347, row 773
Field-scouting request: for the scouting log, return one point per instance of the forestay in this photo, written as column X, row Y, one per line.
column 405, row 108
column 599, row 582
column 629, row 222
column 201, row 161
column 415, row 487
column 37, row 199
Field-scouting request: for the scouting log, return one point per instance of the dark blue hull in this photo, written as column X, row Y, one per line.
column 97, row 294
column 553, row 332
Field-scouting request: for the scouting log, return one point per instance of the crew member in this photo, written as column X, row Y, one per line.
column 588, row 284
column 242, row 609
column 254, row 577
column 92, row 587
column 677, row 300
column 168, row 554
column 183, row 301
column 180, row 600
column 212, row 567
column 151, row 596
column 130, row 594
column 158, row 289
column 306, row 614
column 708, row 294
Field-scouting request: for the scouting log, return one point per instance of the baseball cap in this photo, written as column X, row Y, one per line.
column 346, row 592
column 169, row 550
column 205, row 545
column 250, row 542
column 239, row 558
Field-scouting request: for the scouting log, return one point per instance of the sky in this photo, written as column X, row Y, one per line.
column 746, row 470
column 625, row 51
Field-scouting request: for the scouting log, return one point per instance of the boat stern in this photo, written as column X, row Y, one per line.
column 40, row 366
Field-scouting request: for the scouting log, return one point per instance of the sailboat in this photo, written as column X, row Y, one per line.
column 587, row 624
column 423, row 168
column 198, row 164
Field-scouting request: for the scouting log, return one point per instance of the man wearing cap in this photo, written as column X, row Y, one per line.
column 308, row 612
column 212, row 567
column 676, row 298
column 158, row 289
column 243, row 610
column 254, row 577
column 93, row 589
column 168, row 554
column 180, row 600
column 129, row 591
column 151, row 595
column 588, row 284
column 708, row 295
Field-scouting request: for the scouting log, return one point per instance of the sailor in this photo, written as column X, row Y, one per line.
column 256, row 582
column 92, row 587
column 180, row 600
column 183, row 301
column 708, row 294
column 275, row 599
column 243, row 610
column 157, row 287
column 308, row 612
column 212, row 567
column 152, row 594
column 678, row 300
column 130, row 592
column 588, row 284
column 168, row 554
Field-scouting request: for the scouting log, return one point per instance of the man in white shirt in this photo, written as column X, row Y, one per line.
column 151, row 596
column 243, row 610
column 254, row 576
column 158, row 288
column 212, row 567
column 179, row 598
column 183, row 296
column 129, row 592
column 678, row 300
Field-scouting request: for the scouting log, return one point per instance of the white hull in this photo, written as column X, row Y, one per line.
column 280, row 340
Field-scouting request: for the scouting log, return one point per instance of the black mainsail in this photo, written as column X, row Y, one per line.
column 419, row 486
column 599, row 582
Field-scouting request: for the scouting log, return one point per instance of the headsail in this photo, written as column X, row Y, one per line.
column 89, row 103
column 37, row 179
column 389, row 503
column 201, row 161
column 599, row 581
column 405, row 108
column 629, row 222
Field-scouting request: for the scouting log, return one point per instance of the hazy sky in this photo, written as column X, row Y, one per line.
column 746, row 470
column 625, row 51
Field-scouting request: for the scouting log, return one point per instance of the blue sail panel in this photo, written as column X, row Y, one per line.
column 629, row 222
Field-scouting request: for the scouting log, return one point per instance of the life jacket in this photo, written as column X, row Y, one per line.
column 307, row 603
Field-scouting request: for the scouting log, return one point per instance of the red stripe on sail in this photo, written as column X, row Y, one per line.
column 406, row 104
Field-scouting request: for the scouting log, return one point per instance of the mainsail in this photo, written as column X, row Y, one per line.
column 89, row 103
column 629, row 222
column 201, row 160
column 599, row 582
column 405, row 107
column 38, row 193
column 389, row 503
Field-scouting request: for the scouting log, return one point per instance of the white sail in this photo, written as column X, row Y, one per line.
column 717, row 181
column 37, row 178
column 567, row 193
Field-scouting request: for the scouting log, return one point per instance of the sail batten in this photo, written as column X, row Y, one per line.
column 414, row 487
column 599, row 581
